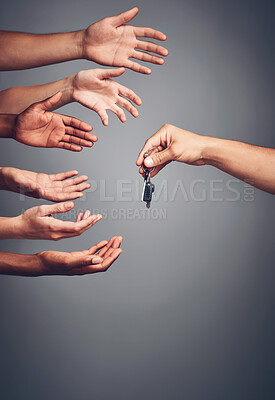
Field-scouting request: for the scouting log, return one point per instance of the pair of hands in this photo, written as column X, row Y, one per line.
column 38, row 222
column 111, row 42
column 37, row 126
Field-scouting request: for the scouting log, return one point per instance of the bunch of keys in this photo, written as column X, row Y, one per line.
column 148, row 186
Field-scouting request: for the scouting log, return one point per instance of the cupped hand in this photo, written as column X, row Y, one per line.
column 56, row 187
column 38, row 127
column 172, row 144
column 110, row 42
column 38, row 222
column 96, row 259
column 95, row 90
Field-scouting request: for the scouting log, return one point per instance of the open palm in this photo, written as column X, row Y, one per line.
column 54, row 187
column 95, row 90
column 110, row 42
column 38, row 127
column 96, row 259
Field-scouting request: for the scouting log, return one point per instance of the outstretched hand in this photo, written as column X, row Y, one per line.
column 39, row 127
column 96, row 259
column 110, row 42
column 38, row 222
column 55, row 187
column 95, row 90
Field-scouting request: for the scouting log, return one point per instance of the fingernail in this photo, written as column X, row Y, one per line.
column 97, row 260
column 148, row 162
column 70, row 204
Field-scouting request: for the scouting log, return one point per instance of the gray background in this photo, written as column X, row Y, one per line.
column 187, row 312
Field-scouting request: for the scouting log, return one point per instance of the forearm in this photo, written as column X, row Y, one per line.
column 253, row 164
column 10, row 228
column 3, row 185
column 20, row 265
column 20, row 50
column 7, row 124
column 17, row 99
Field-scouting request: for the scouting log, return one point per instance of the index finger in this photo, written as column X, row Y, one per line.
column 153, row 141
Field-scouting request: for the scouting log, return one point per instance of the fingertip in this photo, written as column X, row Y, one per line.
column 148, row 71
column 69, row 205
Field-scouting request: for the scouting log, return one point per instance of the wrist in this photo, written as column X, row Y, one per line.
column 11, row 228
column 67, row 89
column 79, row 43
column 3, row 185
column 7, row 125
column 211, row 150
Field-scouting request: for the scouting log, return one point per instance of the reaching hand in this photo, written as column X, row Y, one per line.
column 56, row 187
column 96, row 259
column 95, row 90
column 173, row 144
column 110, row 42
column 38, row 223
column 38, row 127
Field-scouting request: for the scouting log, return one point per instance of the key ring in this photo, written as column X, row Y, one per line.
column 146, row 154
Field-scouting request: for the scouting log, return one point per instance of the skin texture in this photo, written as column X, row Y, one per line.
column 38, row 223
column 97, row 258
column 55, row 187
column 111, row 42
column 39, row 127
column 93, row 89
column 253, row 164
column 107, row 42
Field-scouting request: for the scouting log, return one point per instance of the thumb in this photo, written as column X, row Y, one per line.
column 159, row 158
column 124, row 17
column 49, row 103
column 111, row 73
column 58, row 208
column 83, row 260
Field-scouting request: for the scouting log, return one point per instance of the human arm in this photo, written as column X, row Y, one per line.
column 96, row 259
column 38, row 223
column 253, row 164
column 38, row 127
column 93, row 89
column 55, row 187
column 106, row 42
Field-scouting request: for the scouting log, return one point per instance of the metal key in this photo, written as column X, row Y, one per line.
column 148, row 192
column 148, row 189
column 148, row 186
